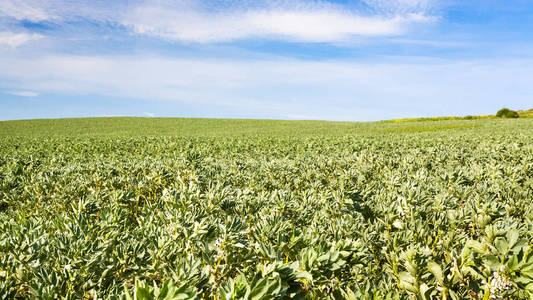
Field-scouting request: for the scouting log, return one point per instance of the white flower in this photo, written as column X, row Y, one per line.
column 208, row 269
column 498, row 285
column 218, row 242
column 449, row 276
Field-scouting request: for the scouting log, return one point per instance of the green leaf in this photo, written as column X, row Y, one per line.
column 529, row 288
column 407, row 282
column 348, row 294
column 520, row 245
column 502, row 245
column 491, row 261
column 142, row 293
column 264, row 288
column 436, row 270
column 512, row 263
column 476, row 246
column 425, row 291
column 512, row 237
column 527, row 271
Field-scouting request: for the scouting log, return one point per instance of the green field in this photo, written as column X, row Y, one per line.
column 264, row 209
column 521, row 114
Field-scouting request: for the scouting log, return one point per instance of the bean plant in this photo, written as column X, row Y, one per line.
column 438, row 212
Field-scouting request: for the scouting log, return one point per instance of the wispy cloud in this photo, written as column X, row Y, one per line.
column 296, row 24
column 198, row 22
column 14, row 40
column 300, row 87
column 396, row 7
column 23, row 93
column 62, row 10
column 290, row 20
column 353, row 64
column 31, row 10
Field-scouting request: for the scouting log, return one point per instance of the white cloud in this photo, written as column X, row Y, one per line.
column 198, row 22
column 292, row 21
column 62, row 10
column 14, row 40
column 292, row 87
column 23, row 93
column 32, row 10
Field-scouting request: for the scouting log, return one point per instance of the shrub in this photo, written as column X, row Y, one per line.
column 506, row 113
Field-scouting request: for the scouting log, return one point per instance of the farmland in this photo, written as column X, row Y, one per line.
column 262, row 209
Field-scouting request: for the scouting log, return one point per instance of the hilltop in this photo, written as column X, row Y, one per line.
column 521, row 114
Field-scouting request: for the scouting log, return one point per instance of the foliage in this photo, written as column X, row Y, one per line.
column 507, row 113
column 438, row 210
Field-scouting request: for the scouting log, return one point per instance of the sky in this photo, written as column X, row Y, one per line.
column 344, row 60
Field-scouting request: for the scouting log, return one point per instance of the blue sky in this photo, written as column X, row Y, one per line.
column 289, row 59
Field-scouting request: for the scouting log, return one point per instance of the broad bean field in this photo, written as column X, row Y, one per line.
column 119, row 208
